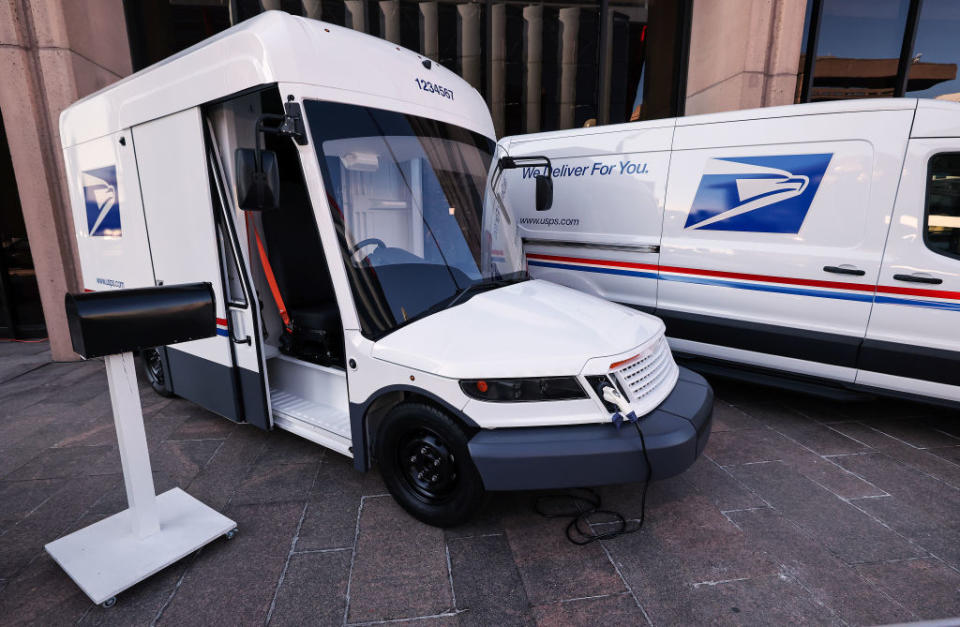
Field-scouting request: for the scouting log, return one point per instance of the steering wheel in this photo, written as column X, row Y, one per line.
column 367, row 242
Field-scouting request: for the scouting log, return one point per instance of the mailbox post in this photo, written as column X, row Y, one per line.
column 154, row 531
column 132, row 442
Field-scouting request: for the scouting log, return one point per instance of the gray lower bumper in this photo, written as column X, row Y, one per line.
column 533, row 458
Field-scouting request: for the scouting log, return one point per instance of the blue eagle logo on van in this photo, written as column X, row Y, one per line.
column 769, row 194
column 100, row 197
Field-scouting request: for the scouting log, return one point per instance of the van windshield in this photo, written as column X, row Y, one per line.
column 406, row 195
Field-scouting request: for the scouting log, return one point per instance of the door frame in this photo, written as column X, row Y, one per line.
column 254, row 387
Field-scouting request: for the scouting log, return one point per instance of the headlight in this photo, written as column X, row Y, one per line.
column 519, row 390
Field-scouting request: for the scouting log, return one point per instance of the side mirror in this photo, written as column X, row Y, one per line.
column 258, row 184
column 543, row 179
column 544, row 192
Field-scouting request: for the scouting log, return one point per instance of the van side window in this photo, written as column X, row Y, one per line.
column 233, row 284
column 228, row 260
column 942, row 228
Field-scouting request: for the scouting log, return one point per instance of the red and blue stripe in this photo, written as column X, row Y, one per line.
column 839, row 290
column 222, row 328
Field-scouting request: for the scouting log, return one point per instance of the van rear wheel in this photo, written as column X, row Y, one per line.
column 155, row 373
column 425, row 462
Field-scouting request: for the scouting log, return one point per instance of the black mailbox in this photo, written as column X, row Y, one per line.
column 118, row 321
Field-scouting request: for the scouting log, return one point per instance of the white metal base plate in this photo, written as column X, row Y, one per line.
column 106, row 558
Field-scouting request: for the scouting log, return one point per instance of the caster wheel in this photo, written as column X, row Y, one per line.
column 230, row 535
column 109, row 603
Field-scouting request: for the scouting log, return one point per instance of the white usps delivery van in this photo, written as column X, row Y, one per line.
column 330, row 187
column 819, row 243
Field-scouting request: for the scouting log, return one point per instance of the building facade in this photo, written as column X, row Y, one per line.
column 540, row 65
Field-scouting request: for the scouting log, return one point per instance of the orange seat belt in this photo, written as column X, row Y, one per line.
column 268, row 272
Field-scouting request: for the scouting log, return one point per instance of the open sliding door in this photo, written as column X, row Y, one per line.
column 192, row 238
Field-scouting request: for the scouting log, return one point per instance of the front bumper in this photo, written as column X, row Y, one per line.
column 532, row 458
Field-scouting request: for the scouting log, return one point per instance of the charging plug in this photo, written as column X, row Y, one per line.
column 612, row 395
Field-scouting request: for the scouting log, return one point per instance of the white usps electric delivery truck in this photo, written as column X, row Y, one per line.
column 817, row 242
column 330, row 187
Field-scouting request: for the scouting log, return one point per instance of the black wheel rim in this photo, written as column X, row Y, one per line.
column 154, row 367
column 428, row 465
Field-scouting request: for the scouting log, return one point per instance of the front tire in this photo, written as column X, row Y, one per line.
column 154, row 371
column 424, row 460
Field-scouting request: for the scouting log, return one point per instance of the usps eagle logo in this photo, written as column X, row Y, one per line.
column 758, row 194
column 103, row 206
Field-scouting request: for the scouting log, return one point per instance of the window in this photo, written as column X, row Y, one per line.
column 229, row 261
column 406, row 196
column 879, row 48
column 942, row 228
column 933, row 64
column 858, row 48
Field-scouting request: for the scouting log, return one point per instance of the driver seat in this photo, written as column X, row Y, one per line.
column 313, row 323
column 315, row 334
column 300, row 267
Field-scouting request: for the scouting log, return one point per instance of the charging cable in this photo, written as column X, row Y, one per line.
column 582, row 504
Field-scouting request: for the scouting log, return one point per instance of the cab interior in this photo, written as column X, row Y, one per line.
column 306, row 370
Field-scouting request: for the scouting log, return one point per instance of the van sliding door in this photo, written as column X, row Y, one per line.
column 771, row 251
column 913, row 343
column 190, row 242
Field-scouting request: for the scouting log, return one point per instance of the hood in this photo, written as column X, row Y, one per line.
column 533, row 328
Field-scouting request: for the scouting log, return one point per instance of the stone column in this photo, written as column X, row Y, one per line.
column 469, row 39
column 533, row 64
column 496, row 65
column 53, row 52
column 355, row 15
column 390, row 20
column 605, row 64
column 569, row 32
column 743, row 54
column 313, row 9
column 429, row 27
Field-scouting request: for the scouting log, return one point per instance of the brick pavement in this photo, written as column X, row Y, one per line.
column 800, row 511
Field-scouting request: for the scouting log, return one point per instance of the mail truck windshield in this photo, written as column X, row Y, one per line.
column 406, row 197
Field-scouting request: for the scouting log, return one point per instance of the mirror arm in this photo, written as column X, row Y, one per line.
column 261, row 128
column 288, row 125
column 511, row 163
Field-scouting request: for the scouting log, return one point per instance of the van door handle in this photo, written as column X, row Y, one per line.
column 844, row 270
column 236, row 317
column 916, row 278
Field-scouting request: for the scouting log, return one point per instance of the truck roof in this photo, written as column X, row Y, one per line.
column 935, row 118
column 276, row 47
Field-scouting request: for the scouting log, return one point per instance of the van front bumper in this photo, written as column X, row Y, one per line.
column 534, row 458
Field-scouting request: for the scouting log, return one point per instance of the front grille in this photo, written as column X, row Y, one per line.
column 647, row 373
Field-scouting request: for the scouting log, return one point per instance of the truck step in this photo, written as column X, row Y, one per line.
column 325, row 417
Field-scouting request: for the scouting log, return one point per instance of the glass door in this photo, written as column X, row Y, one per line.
column 20, row 313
